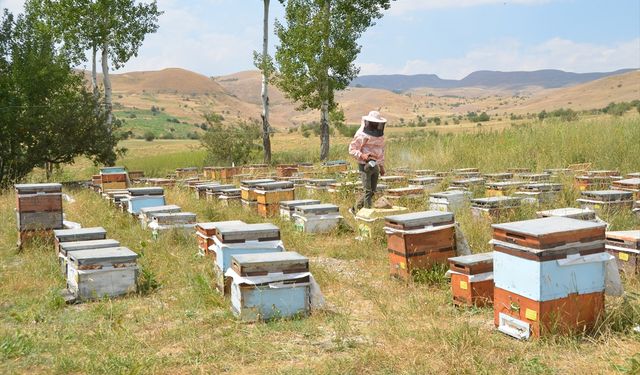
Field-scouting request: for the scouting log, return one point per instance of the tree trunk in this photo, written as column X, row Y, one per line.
column 266, row 130
column 94, row 71
column 324, row 115
column 108, row 105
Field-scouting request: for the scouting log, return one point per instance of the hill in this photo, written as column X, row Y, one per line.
column 491, row 79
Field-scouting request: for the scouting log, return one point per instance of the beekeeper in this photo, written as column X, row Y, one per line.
column 367, row 147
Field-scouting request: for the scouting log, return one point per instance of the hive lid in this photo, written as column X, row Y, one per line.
column 213, row 225
column 102, row 256
column 85, row 245
column 321, row 181
column 496, row 201
column 547, row 226
column 247, row 232
column 300, row 202
column 425, row 180
column 159, row 209
column 499, row 175
column 38, row 188
column 628, row 182
column 504, row 184
column 107, row 170
column 317, row 209
column 377, row 213
column 626, row 235
column 186, row 169
column 253, row 183
column 231, row 191
column 609, row 195
column 469, row 181
column 465, row 170
column 473, row 259
column 334, row 162
column 267, row 186
column 146, row 191
column 275, row 257
column 78, row 232
column 219, row 188
column 570, row 212
column 164, row 215
column 543, row 186
column 421, row 219
column 450, row 194
column 205, row 186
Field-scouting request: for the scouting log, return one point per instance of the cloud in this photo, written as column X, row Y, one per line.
column 407, row 6
column 14, row 6
column 511, row 55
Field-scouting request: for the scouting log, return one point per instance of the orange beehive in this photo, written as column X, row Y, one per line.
column 472, row 279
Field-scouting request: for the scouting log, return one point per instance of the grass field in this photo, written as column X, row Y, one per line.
column 371, row 325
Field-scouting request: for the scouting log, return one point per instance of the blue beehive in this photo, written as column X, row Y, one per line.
column 108, row 170
column 273, row 285
column 237, row 239
column 135, row 204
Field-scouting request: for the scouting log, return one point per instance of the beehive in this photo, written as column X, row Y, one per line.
column 188, row 172
column 200, row 189
column 493, row 207
column 417, row 241
column 371, row 220
column 113, row 178
column 248, row 188
column 518, row 170
column 228, row 173
column 212, row 173
column 172, row 220
column 343, row 187
column 549, row 275
column 267, row 286
column 287, row 208
column 139, row 198
column 425, row 172
column 336, row 166
column 319, row 184
column 81, row 234
column 286, row 170
column 93, row 274
column 541, row 192
column 448, row 201
column 393, row 181
column 146, row 214
column 502, row 188
column 205, row 233
column 468, row 183
column 472, row 279
column 273, row 192
column 212, row 192
column 498, row 177
column 606, row 199
column 230, row 197
column 533, row 177
column 411, row 192
column 38, row 209
column 625, row 247
column 584, row 183
column 466, row 172
column 316, row 218
column 426, row 181
column 630, row 184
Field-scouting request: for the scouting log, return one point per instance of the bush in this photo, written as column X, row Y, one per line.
column 231, row 144
column 149, row 136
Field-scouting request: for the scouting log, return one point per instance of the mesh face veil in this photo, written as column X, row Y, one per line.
column 374, row 129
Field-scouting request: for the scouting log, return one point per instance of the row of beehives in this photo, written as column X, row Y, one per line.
column 92, row 265
column 252, row 267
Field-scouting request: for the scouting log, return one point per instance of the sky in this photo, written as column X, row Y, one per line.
column 450, row 38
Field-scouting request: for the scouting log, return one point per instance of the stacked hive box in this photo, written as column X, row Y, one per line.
column 38, row 209
column 248, row 192
column 182, row 173
column 113, row 178
column 371, row 220
column 228, row 173
column 393, row 181
column 237, row 239
column 211, row 173
column 625, row 247
column 139, row 198
column 213, row 191
column 498, row 177
column 466, row 172
column 502, row 188
column 427, row 182
column 468, row 183
column 630, row 184
column 68, row 248
column 316, row 218
column 411, row 192
column 549, row 275
column 136, row 175
column 172, row 221
column 343, row 187
column 256, row 170
column 96, row 182
column 286, row 170
column 229, row 197
column 569, row 212
column 472, row 279
column 448, row 201
column 81, row 234
column 266, row 286
column 270, row 194
column 540, row 192
column 418, row 241
column 333, row 167
column 200, row 189
column 287, row 208
column 169, row 182
column 319, row 185
column 493, row 207
column 593, row 182
column 111, row 272
column 146, row 214
column 205, row 233
column 606, row 199
column 533, row 177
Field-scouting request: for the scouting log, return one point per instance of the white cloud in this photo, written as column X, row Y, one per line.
column 407, row 6
column 14, row 6
column 511, row 55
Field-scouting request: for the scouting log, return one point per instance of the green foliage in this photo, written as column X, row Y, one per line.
column 230, row 144
column 149, row 136
column 619, row 109
column 48, row 115
column 474, row 117
column 631, row 366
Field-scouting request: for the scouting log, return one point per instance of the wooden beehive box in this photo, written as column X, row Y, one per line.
column 625, row 247
column 371, row 220
column 273, row 192
column 426, row 181
column 286, row 170
column 248, row 188
column 39, row 202
column 136, row 203
column 569, row 212
column 419, row 240
column 201, row 189
column 287, row 208
column 425, row 172
column 502, row 188
column 498, row 177
column 462, row 171
column 339, row 187
column 320, row 183
column 81, row 234
column 549, row 274
column 630, row 184
column 533, row 177
column 136, row 175
column 604, row 172
column 67, row 248
column 405, row 193
column 448, row 201
column 206, row 231
column 539, row 192
column 606, row 199
column 494, row 206
column 146, row 213
column 93, row 274
column 336, row 166
column 228, row 173
column 186, row 172
column 584, row 183
column 38, row 188
column 174, row 218
column 472, row 279
column 229, row 197
column 316, row 218
column 516, row 170
column 259, row 300
column 633, row 175
column 468, row 183
column 212, row 192
column 235, row 239
column 393, row 181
